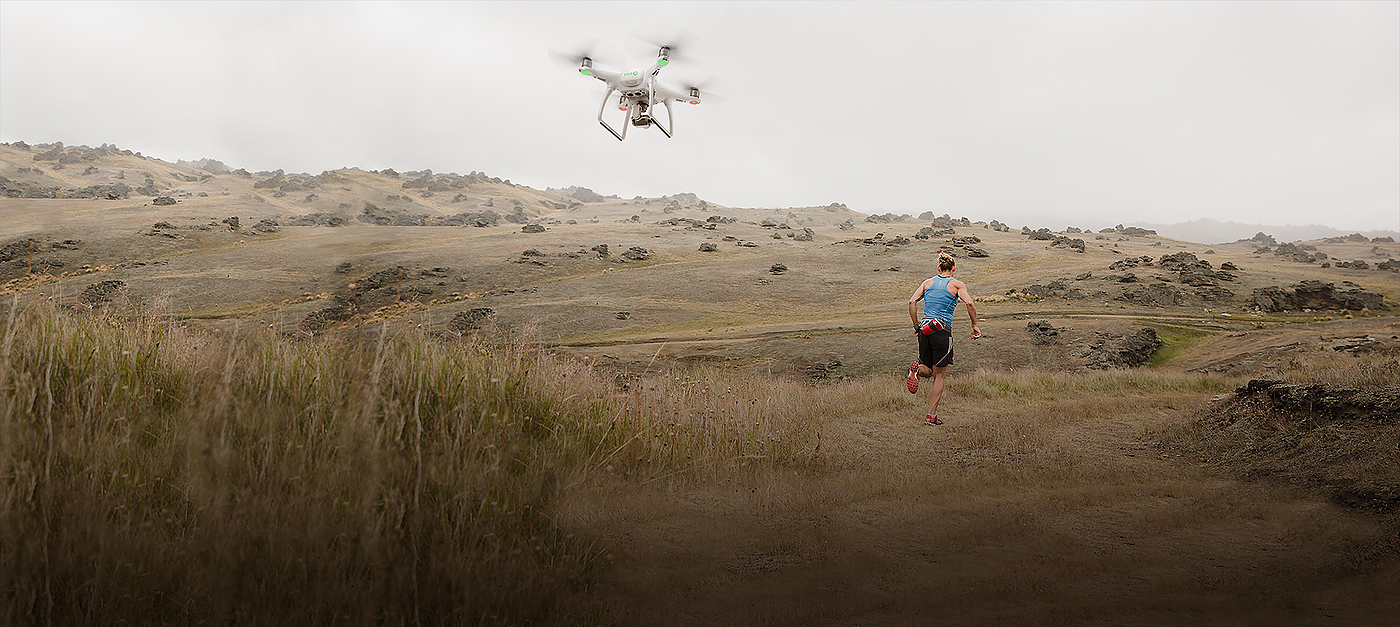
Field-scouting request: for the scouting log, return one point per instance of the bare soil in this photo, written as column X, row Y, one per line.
column 910, row 525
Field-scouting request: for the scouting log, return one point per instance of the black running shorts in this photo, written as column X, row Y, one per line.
column 935, row 349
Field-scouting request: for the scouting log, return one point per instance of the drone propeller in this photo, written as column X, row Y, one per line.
column 679, row 43
column 574, row 55
column 706, row 89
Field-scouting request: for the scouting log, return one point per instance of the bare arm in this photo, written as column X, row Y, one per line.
column 918, row 296
column 966, row 297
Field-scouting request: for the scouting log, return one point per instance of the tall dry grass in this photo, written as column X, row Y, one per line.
column 156, row 474
column 1357, row 370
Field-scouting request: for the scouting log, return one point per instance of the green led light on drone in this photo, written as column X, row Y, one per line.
column 662, row 62
column 585, row 72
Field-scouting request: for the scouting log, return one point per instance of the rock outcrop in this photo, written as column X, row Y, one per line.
column 1114, row 350
column 1155, row 295
column 1317, row 295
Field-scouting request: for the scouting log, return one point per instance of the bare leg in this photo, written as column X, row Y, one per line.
column 935, row 391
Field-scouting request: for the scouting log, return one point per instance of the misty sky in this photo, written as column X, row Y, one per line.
column 1091, row 113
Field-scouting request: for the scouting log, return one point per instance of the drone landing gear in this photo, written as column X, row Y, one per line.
column 636, row 115
column 604, row 107
column 670, row 121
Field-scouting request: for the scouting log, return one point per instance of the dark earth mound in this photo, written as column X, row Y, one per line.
column 1344, row 441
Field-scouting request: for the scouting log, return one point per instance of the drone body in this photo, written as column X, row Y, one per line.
column 639, row 92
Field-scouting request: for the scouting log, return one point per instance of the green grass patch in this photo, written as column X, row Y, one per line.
column 1175, row 340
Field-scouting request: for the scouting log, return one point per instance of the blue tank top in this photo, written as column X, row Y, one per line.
column 938, row 303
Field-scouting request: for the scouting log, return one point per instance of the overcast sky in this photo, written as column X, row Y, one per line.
column 1094, row 113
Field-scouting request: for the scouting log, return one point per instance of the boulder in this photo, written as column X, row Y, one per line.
column 1294, row 252
column 1113, row 350
column 778, row 268
column 1130, row 262
column 637, row 253
column 471, row 319
column 1043, row 333
column 532, row 228
column 1314, row 294
column 1176, row 262
column 1156, row 295
column 708, row 247
column 163, row 200
column 974, row 251
column 1271, row 299
column 1214, row 294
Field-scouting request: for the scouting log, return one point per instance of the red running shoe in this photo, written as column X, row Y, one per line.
column 932, row 419
column 913, row 381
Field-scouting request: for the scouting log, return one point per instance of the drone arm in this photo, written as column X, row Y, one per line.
column 603, row 107
column 607, row 76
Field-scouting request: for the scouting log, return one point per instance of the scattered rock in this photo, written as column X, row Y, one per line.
column 778, row 268
column 163, row 200
column 637, row 253
column 471, row 319
column 822, row 371
column 101, row 292
column 378, row 216
column 708, row 247
column 624, row 315
column 318, row 219
column 1043, row 333
column 1131, row 262
column 976, row 251
column 532, row 228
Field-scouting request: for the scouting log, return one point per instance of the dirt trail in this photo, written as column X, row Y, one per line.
column 909, row 524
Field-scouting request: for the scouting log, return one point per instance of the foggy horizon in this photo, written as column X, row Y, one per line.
column 1088, row 114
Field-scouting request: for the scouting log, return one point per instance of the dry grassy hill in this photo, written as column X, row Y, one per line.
column 458, row 400
column 621, row 279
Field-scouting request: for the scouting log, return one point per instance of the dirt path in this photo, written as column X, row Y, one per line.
column 907, row 524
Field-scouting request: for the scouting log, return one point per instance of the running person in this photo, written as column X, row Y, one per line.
column 935, row 330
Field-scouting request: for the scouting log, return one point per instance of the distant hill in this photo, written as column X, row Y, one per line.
column 1208, row 231
column 1203, row 231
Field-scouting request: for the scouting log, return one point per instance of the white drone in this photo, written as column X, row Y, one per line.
column 638, row 89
